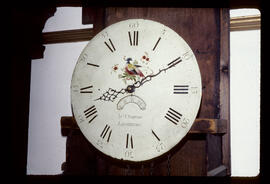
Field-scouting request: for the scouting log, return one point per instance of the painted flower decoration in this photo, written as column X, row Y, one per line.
column 132, row 69
column 115, row 68
column 145, row 58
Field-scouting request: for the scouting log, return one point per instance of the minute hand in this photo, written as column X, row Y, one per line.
column 149, row 77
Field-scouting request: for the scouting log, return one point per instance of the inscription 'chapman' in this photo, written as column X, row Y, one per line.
column 123, row 117
column 128, row 116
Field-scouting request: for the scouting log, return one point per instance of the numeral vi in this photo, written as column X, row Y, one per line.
column 129, row 141
column 105, row 131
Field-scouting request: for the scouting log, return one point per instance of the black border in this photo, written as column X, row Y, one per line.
column 21, row 175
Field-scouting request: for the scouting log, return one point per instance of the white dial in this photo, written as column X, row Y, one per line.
column 136, row 90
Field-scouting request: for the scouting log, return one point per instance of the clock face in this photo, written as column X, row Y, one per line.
column 136, row 90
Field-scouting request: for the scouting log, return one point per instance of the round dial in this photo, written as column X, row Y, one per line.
column 136, row 90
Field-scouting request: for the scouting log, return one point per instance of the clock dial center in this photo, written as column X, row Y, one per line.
column 130, row 89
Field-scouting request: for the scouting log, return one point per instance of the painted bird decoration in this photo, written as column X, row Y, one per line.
column 133, row 69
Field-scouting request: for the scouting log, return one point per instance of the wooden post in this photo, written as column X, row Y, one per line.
column 225, row 85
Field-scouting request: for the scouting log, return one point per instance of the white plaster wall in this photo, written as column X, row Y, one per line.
column 49, row 100
column 245, row 102
column 66, row 18
column 50, row 97
column 244, row 12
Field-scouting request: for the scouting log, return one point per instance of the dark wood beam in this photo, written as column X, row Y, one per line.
column 200, row 126
column 75, row 35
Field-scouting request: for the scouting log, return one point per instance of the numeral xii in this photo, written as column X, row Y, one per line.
column 133, row 39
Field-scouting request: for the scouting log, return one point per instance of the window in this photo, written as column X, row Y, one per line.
column 245, row 93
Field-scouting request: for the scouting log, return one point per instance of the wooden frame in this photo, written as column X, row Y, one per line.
column 76, row 35
column 245, row 23
column 242, row 23
column 224, row 86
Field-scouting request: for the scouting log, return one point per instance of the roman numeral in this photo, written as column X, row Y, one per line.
column 156, row 44
column 111, row 46
column 173, row 116
column 129, row 141
column 105, row 131
column 155, row 135
column 175, row 62
column 134, row 41
column 91, row 112
column 91, row 64
column 180, row 89
column 86, row 89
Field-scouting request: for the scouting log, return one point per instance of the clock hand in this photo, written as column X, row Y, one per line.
column 149, row 77
column 111, row 94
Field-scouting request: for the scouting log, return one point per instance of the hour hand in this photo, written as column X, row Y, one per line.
column 111, row 94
